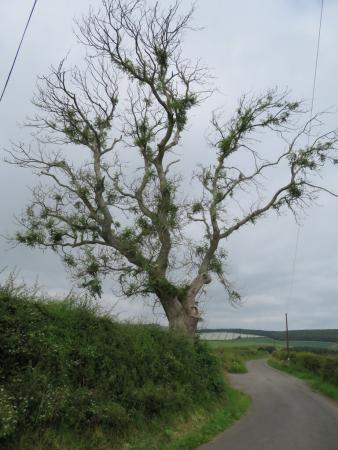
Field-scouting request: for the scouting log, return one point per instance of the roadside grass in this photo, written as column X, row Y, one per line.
column 310, row 378
column 234, row 358
column 187, row 433
column 211, row 424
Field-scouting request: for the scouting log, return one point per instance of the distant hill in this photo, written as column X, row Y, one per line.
column 294, row 335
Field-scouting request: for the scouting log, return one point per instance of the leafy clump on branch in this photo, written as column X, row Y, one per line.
column 117, row 208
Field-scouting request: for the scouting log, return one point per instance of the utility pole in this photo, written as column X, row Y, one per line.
column 287, row 336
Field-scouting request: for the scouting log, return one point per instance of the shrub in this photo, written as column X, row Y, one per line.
column 266, row 348
column 330, row 370
column 8, row 413
column 65, row 365
column 324, row 366
column 309, row 361
column 153, row 400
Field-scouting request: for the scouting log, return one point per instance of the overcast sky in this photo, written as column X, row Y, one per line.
column 250, row 45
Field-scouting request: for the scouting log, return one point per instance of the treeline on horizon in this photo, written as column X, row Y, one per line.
column 329, row 335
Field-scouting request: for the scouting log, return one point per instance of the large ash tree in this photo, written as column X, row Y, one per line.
column 115, row 202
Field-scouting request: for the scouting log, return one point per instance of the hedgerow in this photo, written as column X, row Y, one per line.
column 322, row 365
column 64, row 365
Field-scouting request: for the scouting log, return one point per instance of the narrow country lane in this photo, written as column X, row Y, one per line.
column 285, row 415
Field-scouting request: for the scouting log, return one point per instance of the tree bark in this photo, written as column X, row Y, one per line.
column 182, row 318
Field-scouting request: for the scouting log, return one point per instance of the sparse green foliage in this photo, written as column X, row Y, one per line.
column 197, row 207
column 216, row 265
column 294, row 190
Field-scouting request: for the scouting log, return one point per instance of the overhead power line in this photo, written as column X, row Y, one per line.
column 18, row 50
column 294, row 262
column 317, row 57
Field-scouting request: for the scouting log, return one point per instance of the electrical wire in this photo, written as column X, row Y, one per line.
column 294, row 263
column 316, row 63
column 18, row 50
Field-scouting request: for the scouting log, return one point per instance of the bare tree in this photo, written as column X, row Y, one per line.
column 135, row 224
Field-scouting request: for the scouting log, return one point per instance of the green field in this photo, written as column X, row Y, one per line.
column 245, row 342
column 315, row 344
column 326, row 335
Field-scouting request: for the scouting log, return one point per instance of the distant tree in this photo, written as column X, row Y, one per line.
column 116, row 205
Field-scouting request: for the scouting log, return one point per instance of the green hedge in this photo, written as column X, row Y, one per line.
column 324, row 366
column 64, row 365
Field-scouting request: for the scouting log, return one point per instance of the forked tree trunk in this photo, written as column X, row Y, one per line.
column 182, row 318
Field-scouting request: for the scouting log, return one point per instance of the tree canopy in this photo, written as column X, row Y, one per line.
column 114, row 202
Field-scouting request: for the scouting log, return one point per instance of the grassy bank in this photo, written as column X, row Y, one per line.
column 319, row 371
column 201, row 426
column 74, row 379
column 184, row 432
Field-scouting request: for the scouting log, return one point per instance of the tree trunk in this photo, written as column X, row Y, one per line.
column 182, row 318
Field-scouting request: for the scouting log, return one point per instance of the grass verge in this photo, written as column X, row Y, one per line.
column 201, row 427
column 313, row 380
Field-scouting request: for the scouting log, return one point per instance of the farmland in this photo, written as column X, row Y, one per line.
column 254, row 342
column 329, row 335
column 307, row 339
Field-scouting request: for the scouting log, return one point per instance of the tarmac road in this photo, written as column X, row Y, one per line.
column 285, row 415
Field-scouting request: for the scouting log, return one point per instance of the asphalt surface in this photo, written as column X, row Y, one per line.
column 285, row 415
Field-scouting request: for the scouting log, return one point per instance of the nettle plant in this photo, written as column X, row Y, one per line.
column 105, row 138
